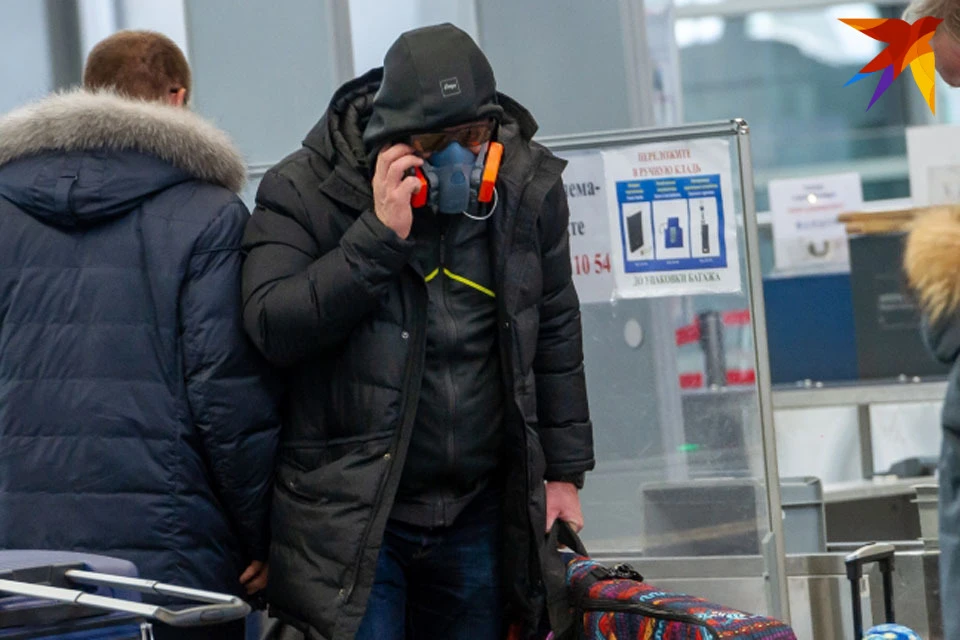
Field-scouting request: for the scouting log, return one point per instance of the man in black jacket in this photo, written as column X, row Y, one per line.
column 136, row 419
column 437, row 418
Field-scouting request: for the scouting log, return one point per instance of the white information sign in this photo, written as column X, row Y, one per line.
column 806, row 232
column 934, row 156
column 672, row 219
column 589, row 229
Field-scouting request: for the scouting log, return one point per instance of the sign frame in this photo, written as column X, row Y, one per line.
column 739, row 131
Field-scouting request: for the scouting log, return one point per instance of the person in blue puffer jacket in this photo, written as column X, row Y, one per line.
column 136, row 419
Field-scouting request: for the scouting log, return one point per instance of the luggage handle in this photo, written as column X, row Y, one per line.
column 218, row 607
column 562, row 533
column 561, row 614
column 883, row 555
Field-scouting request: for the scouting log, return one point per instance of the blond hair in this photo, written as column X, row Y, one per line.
column 138, row 64
column 946, row 10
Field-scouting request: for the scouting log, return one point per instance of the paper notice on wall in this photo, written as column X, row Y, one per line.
column 933, row 153
column 806, row 232
column 672, row 219
column 589, row 229
column 943, row 184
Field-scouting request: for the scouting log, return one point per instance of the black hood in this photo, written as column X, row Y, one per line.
column 433, row 77
column 338, row 136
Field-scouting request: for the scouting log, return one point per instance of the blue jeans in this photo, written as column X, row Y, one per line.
column 439, row 583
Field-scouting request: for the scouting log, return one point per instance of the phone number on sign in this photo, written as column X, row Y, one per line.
column 584, row 265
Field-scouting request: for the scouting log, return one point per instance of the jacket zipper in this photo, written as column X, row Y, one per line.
column 448, row 377
column 409, row 413
column 506, row 365
column 619, row 606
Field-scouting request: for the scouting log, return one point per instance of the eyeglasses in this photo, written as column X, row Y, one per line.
column 472, row 134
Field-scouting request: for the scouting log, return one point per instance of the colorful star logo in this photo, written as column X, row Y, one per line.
column 909, row 45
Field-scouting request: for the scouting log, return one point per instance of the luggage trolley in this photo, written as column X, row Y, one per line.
column 50, row 594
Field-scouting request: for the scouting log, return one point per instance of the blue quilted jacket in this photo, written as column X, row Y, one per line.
column 135, row 419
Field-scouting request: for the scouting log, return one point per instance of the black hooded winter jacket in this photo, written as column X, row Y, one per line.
column 331, row 295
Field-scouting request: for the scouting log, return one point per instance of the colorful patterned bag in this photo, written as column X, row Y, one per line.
column 616, row 604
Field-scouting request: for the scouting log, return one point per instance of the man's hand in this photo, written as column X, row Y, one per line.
column 255, row 577
column 392, row 191
column 563, row 502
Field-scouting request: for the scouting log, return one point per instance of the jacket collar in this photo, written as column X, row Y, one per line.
column 81, row 120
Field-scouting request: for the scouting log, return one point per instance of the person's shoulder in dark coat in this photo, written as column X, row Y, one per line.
column 136, row 419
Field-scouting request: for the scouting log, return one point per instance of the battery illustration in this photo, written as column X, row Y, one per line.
column 673, row 234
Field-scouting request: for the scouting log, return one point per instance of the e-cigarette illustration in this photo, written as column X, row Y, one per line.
column 672, row 234
column 704, row 230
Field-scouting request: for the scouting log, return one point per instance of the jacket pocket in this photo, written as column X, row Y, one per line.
column 304, row 458
column 526, row 330
column 324, row 500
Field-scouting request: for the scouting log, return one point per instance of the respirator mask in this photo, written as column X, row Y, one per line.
column 460, row 170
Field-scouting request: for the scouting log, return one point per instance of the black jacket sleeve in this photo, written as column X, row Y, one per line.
column 231, row 396
column 942, row 337
column 300, row 299
column 563, row 412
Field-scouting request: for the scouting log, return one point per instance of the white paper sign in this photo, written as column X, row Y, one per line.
column 589, row 229
column 672, row 219
column 806, row 232
column 934, row 156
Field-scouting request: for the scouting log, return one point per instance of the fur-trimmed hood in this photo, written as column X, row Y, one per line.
column 82, row 158
column 932, row 261
column 80, row 120
column 932, row 265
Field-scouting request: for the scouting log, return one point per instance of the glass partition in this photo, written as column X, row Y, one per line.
column 680, row 398
column 792, row 63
